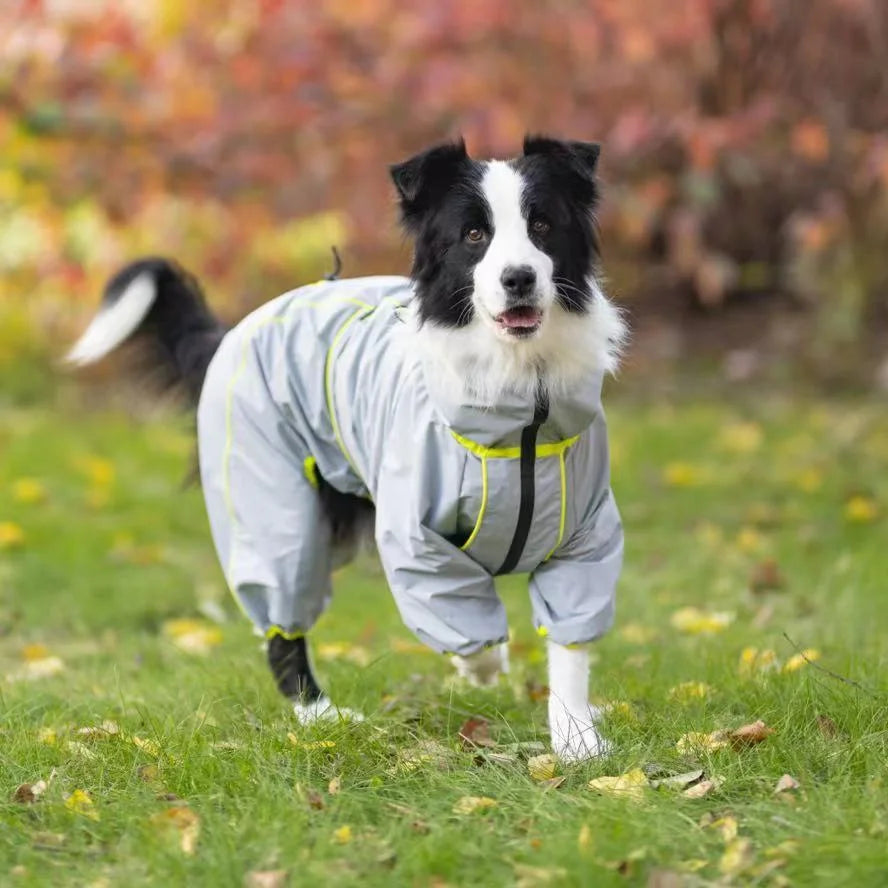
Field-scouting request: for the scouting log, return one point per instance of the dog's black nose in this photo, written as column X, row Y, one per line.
column 518, row 280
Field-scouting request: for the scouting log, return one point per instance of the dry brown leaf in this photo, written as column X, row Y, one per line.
column 749, row 735
column 786, row 783
column 542, row 767
column 182, row 822
column 552, row 782
column 679, row 781
column 536, row 691
column 315, row 800
column 701, row 789
column 827, row 727
column 471, row 804
column 766, row 577
column 334, row 786
column 475, row 732
column 28, row 793
column 265, row 879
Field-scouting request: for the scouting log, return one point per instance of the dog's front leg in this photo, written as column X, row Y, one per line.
column 484, row 668
column 571, row 717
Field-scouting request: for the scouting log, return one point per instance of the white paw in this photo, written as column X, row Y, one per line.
column 482, row 670
column 575, row 737
column 323, row 709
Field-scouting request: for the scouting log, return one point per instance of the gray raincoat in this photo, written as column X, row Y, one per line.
column 325, row 376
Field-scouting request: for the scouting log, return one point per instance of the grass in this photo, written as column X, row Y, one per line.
column 102, row 550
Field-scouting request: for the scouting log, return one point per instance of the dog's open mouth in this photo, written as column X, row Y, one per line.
column 522, row 320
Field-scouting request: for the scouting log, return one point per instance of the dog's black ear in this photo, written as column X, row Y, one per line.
column 581, row 156
column 426, row 174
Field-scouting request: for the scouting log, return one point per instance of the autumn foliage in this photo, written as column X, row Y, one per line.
column 745, row 151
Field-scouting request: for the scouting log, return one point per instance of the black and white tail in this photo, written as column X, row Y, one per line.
column 156, row 300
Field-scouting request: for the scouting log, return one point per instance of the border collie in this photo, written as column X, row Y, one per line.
column 456, row 415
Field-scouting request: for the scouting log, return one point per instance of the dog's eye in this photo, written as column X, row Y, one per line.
column 540, row 226
column 475, row 235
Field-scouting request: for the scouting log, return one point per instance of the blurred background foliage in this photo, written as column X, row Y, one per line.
column 745, row 163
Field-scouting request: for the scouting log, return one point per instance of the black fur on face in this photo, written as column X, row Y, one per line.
column 445, row 210
column 440, row 204
column 560, row 190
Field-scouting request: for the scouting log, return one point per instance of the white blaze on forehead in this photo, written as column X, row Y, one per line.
column 511, row 246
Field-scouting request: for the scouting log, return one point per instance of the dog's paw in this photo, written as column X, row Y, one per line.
column 482, row 670
column 574, row 735
column 323, row 709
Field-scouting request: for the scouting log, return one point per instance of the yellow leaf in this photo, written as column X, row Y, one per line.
column 340, row 650
column 11, row 535
column 693, row 621
column 28, row 491
column 727, row 827
column 471, row 804
column 47, row 736
column 192, row 636
column 80, row 802
column 752, row 660
column 542, row 767
column 146, row 745
column 310, row 744
column 635, row 633
column 700, row 741
column 584, row 839
column 680, row 474
column 182, row 822
column 741, row 437
column 798, row 661
column 690, row 690
column 334, row 786
column 99, row 471
column 861, row 510
column 809, row 481
column 749, row 540
column 630, row 785
column 737, row 857
column 32, row 652
column 342, row 835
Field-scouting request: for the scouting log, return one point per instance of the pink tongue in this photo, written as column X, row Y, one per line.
column 519, row 317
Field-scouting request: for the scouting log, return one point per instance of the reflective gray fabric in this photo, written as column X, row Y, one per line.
column 328, row 374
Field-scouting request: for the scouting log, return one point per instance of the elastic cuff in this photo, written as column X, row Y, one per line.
column 275, row 631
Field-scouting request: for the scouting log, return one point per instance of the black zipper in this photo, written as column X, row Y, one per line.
column 528, row 482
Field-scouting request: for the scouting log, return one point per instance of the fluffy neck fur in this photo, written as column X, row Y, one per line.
column 484, row 368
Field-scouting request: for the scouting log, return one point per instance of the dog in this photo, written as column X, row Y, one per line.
column 455, row 415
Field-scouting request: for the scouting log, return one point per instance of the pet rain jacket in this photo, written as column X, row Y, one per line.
column 328, row 377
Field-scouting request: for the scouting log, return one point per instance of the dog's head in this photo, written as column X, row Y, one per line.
column 504, row 244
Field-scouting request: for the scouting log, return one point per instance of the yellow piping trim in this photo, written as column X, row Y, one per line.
column 328, row 384
column 563, row 520
column 555, row 448
column 274, row 631
column 477, row 528
column 542, row 631
column 309, row 467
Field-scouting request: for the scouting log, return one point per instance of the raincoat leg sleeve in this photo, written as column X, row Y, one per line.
column 271, row 537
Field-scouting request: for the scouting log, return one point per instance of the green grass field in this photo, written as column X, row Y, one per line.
column 769, row 520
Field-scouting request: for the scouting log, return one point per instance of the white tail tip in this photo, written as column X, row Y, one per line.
column 115, row 322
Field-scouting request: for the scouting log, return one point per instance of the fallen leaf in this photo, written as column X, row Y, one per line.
column 192, row 636
column 47, row 736
column 749, row 735
column 425, row 753
column 741, row 437
column 630, row 785
column 342, row 650
column 680, row 474
column 693, row 621
column 48, row 841
column 749, row 540
column 148, row 773
column 80, row 802
column 334, row 786
column 11, row 535
column 827, row 727
column 551, row 783
column 182, row 822
column 786, row 783
column 584, row 838
column 342, row 835
column 700, row 741
column 660, row 878
column 475, row 732
column 531, row 876
column 861, row 510
column 753, row 661
column 28, row 793
column 737, row 857
column 146, row 745
column 471, row 804
column 766, row 577
column 800, row 660
column 310, row 744
column 314, row 800
column 542, row 767
column 265, row 879
column 678, row 781
column 636, row 633
column 81, row 749
column 536, row 691
column 701, row 789
column 690, row 690
column 727, row 827
column 28, row 491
